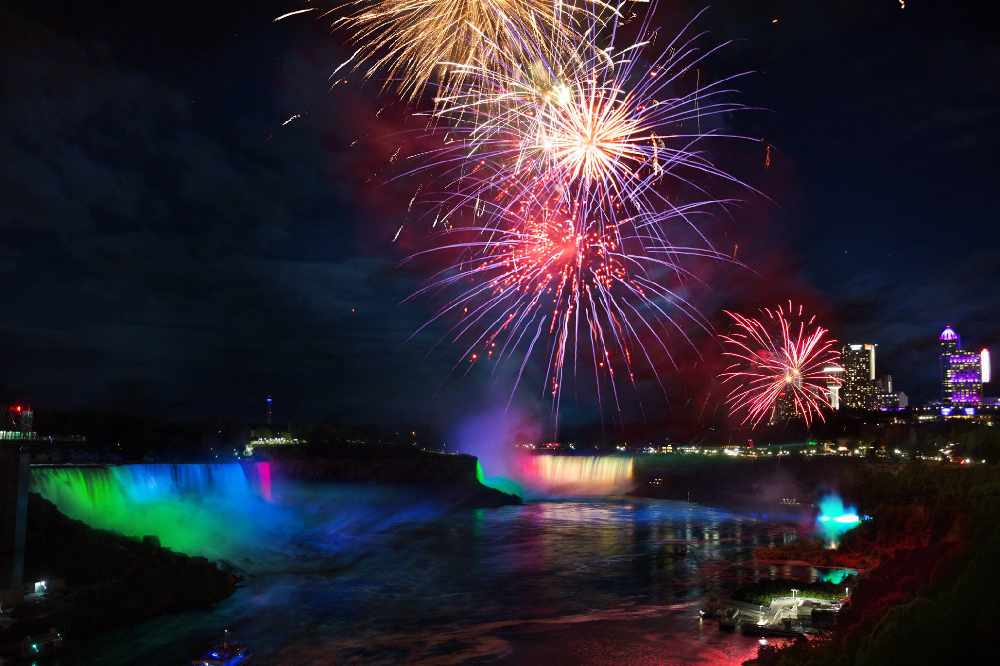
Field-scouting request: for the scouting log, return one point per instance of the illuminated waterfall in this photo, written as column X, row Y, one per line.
column 198, row 509
column 579, row 475
column 233, row 512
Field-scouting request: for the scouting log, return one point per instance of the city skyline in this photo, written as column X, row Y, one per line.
column 857, row 383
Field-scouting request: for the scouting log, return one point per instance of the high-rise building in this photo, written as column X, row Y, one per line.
column 961, row 371
column 950, row 340
column 888, row 400
column 268, row 415
column 834, row 375
column 859, row 389
column 949, row 343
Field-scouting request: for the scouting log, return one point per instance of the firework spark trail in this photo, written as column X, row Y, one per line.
column 780, row 355
column 601, row 130
column 561, row 153
column 409, row 40
column 562, row 162
column 554, row 280
column 293, row 13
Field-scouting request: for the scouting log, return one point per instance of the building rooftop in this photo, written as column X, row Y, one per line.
column 948, row 334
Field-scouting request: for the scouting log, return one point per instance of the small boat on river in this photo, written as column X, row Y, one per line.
column 227, row 653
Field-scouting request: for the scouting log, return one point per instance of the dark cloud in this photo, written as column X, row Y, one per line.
column 146, row 245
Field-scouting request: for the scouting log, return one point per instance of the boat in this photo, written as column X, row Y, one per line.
column 228, row 653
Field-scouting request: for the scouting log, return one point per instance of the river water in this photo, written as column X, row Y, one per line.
column 344, row 574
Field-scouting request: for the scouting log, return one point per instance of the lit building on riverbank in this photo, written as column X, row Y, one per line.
column 859, row 389
column 962, row 372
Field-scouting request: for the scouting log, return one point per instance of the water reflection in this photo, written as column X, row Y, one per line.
column 621, row 577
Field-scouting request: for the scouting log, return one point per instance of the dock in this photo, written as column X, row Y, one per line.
column 786, row 617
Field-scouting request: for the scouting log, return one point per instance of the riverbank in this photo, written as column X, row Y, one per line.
column 750, row 482
column 927, row 592
column 815, row 552
column 930, row 595
column 99, row 580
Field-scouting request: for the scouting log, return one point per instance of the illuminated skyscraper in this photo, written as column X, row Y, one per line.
column 267, row 410
column 961, row 371
column 950, row 341
column 859, row 389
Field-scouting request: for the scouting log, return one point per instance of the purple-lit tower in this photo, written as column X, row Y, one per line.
column 961, row 371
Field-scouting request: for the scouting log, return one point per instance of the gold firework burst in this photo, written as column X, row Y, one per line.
column 417, row 42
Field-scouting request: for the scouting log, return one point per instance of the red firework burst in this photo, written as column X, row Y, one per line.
column 781, row 357
column 579, row 288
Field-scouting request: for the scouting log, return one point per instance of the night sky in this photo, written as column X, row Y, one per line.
column 169, row 246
